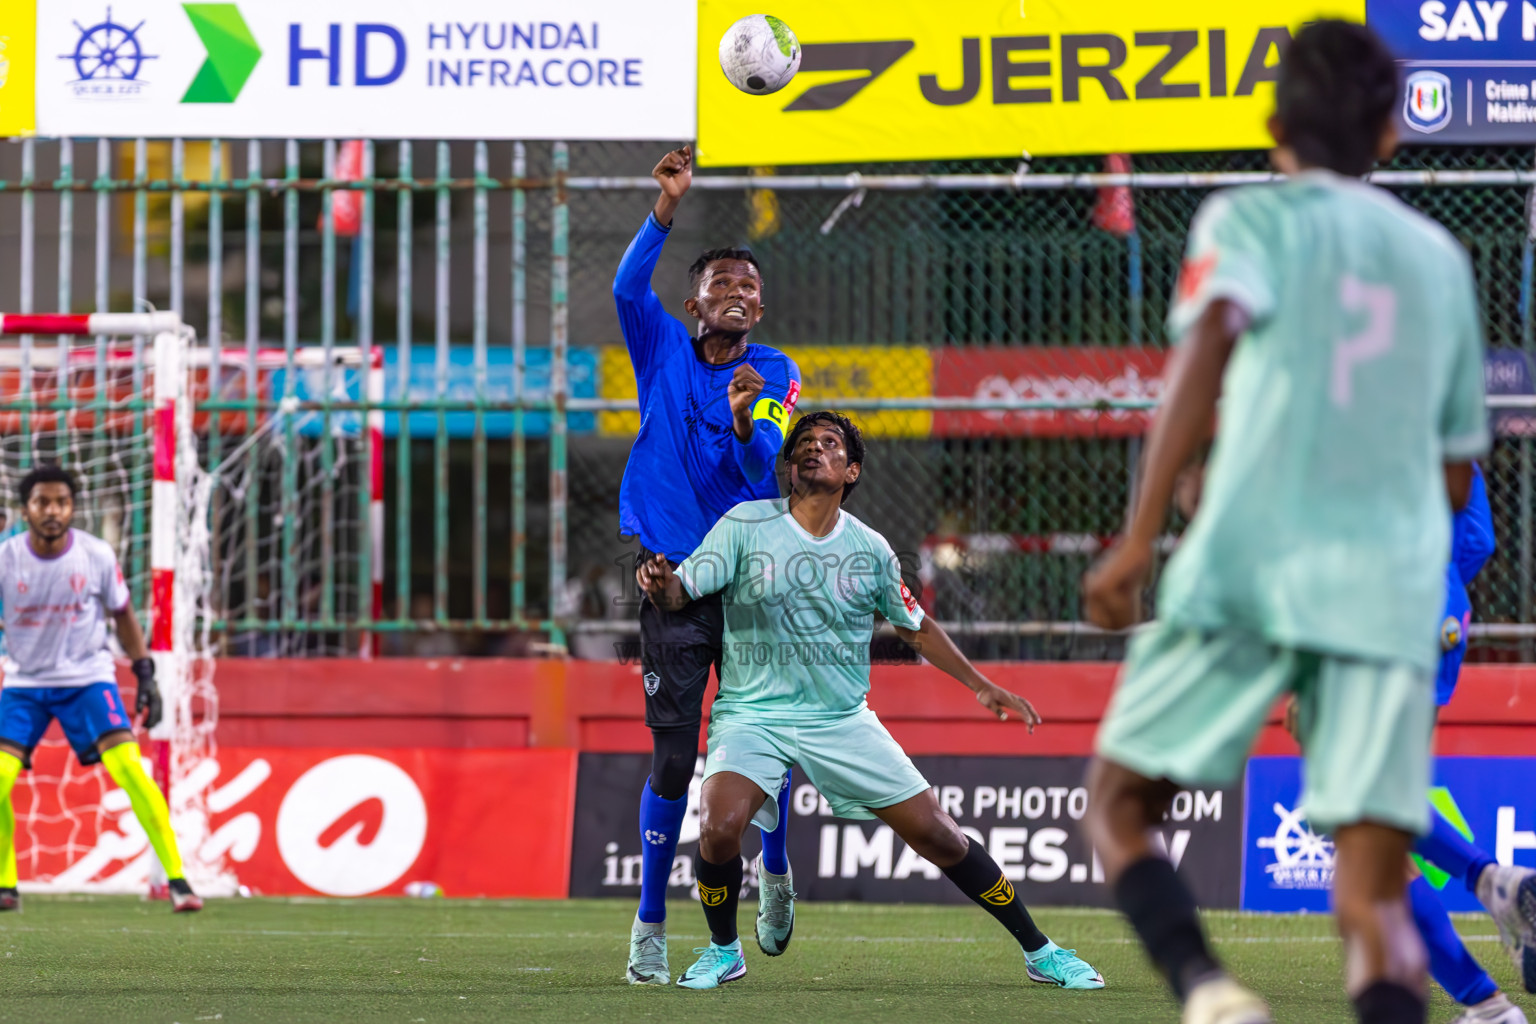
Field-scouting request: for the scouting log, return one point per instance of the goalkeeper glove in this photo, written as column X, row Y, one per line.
column 149, row 694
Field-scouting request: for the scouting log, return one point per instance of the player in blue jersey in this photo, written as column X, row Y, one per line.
column 714, row 409
column 1507, row 891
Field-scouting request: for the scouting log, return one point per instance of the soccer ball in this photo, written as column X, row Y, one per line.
column 759, row 54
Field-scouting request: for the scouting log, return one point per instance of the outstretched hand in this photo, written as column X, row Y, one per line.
column 1112, row 588
column 1000, row 702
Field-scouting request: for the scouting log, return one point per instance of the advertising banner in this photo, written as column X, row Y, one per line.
column 1027, row 811
column 422, row 386
column 996, row 78
column 1288, row 867
column 482, row 69
column 1469, row 69
column 333, row 822
column 18, row 66
column 826, row 372
column 1046, row 373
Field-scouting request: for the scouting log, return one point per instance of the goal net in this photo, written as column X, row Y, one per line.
column 236, row 501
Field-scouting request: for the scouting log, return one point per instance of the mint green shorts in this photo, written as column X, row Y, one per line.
column 1191, row 702
column 852, row 761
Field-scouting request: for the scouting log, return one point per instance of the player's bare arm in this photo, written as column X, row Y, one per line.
column 131, row 635
column 746, row 385
column 1112, row 588
column 1458, row 484
column 674, row 174
column 935, row 645
column 661, row 584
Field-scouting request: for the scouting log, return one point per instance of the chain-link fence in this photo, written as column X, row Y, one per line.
column 996, row 338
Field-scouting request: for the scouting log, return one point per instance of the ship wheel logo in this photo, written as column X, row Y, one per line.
column 108, row 51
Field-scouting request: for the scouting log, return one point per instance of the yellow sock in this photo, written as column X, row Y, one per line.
column 10, row 767
column 124, row 764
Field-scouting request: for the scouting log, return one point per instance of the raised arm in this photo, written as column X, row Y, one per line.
column 642, row 317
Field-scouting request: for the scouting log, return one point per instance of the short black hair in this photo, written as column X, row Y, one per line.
column 853, row 439
column 709, row 256
column 46, row 473
column 1337, row 89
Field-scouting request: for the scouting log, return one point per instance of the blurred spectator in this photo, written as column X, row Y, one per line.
column 595, row 596
column 429, row 643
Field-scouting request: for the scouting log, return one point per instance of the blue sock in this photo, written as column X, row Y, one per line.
column 660, row 822
column 775, row 856
column 1448, row 850
column 1449, row 962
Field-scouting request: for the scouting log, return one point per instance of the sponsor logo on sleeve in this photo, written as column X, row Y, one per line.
column 791, row 397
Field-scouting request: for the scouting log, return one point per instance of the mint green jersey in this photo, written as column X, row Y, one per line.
column 799, row 610
column 1324, row 523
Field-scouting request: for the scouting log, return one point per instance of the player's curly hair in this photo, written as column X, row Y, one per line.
column 853, row 439
column 709, row 256
column 1337, row 90
column 46, row 473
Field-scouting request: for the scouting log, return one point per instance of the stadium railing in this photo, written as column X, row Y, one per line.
column 994, row 324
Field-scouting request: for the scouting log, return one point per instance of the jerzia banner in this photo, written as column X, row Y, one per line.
column 1027, row 811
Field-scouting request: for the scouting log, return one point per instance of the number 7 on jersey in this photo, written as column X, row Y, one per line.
column 1375, row 340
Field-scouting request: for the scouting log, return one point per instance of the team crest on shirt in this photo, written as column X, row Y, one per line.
column 652, row 683
column 77, row 582
column 847, row 588
column 21, row 586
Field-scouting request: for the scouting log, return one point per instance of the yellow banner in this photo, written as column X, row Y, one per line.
column 18, row 67
column 929, row 80
column 826, row 372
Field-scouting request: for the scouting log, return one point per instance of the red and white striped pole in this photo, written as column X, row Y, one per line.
column 374, row 424
column 89, row 323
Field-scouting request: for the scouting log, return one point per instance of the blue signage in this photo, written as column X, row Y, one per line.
column 1468, row 68
column 422, row 386
column 1287, row 867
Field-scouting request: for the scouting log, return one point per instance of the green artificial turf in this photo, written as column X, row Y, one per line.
column 120, row 960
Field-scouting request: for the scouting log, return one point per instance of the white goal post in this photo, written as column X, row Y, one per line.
column 71, row 397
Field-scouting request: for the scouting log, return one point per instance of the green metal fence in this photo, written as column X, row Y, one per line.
column 483, row 271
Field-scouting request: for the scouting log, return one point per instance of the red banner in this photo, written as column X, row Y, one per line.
column 1046, row 373
column 327, row 821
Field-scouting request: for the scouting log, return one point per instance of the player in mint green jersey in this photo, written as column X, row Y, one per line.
column 1340, row 330
column 801, row 581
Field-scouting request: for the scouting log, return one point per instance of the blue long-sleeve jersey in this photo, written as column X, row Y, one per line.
column 687, row 467
column 1471, row 546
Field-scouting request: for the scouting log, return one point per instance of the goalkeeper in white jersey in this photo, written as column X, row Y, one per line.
column 59, row 585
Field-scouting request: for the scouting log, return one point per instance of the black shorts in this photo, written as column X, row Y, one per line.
column 677, row 650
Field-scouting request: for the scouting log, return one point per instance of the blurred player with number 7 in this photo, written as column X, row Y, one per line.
column 1340, row 331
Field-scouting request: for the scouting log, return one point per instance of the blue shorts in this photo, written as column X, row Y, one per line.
column 87, row 713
